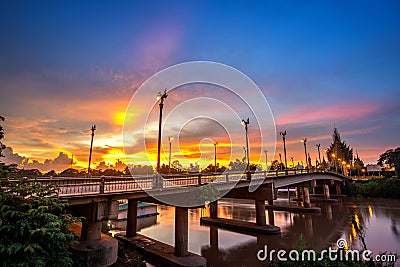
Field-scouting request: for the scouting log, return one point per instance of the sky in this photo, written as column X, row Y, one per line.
column 68, row 65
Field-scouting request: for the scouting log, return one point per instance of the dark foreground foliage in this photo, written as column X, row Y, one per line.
column 33, row 226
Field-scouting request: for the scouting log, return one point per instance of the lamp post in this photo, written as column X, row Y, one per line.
column 215, row 156
column 284, row 146
column 292, row 162
column 91, row 146
column 319, row 153
column 280, row 160
column 170, row 138
column 161, row 98
column 245, row 124
column 266, row 159
column 304, row 141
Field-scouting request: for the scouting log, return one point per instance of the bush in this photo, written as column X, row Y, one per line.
column 385, row 188
column 33, row 228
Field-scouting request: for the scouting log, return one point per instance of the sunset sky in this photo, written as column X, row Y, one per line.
column 66, row 65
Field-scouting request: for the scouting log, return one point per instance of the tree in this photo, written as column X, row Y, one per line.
column 392, row 158
column 237, row 166
column 276, row 165
column 33, row 227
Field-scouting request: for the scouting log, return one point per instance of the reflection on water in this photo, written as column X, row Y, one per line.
column 379, row 218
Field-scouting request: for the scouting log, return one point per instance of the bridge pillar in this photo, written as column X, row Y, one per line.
column 298, row 193
column 326, row 191
column 131, row 222
column 313, row 186
column 260, row 212
column 306, row 197
column 338, row 189
column 214, row 236
column 91, row 230
column 181, row 232
column 214, row 209
column 95, row 248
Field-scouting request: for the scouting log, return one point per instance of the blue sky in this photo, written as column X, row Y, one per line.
column 318, row 63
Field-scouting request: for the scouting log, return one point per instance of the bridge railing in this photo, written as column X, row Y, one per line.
column 103, row 185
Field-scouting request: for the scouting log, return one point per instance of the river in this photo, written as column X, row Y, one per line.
column 379, row 218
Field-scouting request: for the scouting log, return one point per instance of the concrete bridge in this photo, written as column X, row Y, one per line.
column 96, row 199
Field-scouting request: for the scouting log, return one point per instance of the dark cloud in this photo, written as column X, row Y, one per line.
column 61, row 162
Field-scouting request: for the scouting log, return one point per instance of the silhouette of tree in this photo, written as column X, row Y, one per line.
column 139, row 170
column 277, row 165
column 112, row 172
column 392, row 158
column 237, row 165
column 51, row 173
column 70, row 172
column 211, row 168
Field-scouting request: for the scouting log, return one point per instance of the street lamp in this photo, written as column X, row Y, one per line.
column 215, row 156
column 170, row 138
column 91, row 146
column 304, row 140
column 284, row 146
column 245, row 124
column 319, row 153
column 292, row 162
column 161, row 98
column 266, row 159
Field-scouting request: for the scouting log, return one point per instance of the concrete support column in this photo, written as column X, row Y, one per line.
column 214, row 209
column 298, row 193
column 131, row 222
column 306, row 197
column 91, row 230
column 313, row 186
column 214, row 237
column 326, row 191
column 181, row 232
column 271, row 217
column 338, row 189
column 260, row 212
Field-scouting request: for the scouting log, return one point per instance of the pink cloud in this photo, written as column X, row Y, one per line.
column 340, row 111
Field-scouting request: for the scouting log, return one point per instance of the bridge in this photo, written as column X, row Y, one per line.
column 96, row 199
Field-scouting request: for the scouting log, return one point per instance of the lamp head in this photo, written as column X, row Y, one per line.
column 245, row 122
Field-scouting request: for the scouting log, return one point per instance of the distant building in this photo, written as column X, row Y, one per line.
column 373, row 168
